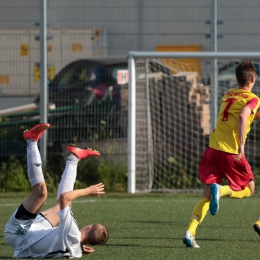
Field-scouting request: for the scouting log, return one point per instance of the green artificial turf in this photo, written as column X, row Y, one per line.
column 151, row 226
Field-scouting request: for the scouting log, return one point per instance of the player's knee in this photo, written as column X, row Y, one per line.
column 252, row 190
column 251, row 186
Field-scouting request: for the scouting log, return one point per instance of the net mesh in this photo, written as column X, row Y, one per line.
column 173, row 120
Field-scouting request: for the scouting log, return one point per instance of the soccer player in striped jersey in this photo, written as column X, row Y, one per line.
column 52, row 233
column 225, row 156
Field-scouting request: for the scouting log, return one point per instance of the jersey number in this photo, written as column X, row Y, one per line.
column 229, row 101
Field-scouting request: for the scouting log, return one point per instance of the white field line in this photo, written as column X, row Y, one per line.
column 104, row 201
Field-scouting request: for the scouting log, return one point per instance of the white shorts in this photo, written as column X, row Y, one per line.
column 18, row 232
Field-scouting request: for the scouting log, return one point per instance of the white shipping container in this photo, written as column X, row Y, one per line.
column 76, row 44
column 53, row 57
column 20, row 55
column 14, row 62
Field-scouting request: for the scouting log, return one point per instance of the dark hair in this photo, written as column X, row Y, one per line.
column 245, row 71
column 98, row 234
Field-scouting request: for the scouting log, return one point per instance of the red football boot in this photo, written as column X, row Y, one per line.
column 36, row 132
column 82, row 153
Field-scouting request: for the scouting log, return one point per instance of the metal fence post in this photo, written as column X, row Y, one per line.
column 43, row 78
column 214, row 65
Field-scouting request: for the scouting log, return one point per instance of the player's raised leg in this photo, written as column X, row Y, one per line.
column 68, row 178
column 245, row 193
column 245, row 184
column 34, row 170
column 215, row 196
column 216, row 192
column 74, row 155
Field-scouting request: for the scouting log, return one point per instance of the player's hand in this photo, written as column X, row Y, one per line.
column 96, row 190
column 239, row 156
column 87, row 249
column 257, row 115
column 241, row 152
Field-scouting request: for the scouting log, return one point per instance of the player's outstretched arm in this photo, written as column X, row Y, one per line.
column 67, row 197
column 242, row 124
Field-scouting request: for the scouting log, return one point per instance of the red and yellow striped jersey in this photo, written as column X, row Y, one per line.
column 225, row 137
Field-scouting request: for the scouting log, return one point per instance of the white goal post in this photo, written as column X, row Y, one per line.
column 157, row 140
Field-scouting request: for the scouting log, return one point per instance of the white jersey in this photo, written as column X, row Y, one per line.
column 38, row 239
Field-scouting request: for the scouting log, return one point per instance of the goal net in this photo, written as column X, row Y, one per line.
column 174, row 114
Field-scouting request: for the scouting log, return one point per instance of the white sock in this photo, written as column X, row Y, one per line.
column 69, row 175
column 34, row 163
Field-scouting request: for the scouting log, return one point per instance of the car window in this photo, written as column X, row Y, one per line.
column 84, row 72
column 82, row 75
column 63, row 77
column 74, row 73
column 107, row 74
column 64, row 80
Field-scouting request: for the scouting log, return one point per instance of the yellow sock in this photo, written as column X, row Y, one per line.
column 241, row 194
column 198, row 214
column 225, row 191
column 257, row 222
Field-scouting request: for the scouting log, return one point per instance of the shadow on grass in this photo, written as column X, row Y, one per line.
column 173, row 223
column 146, row 238
column 227, row 240
column 154, row 222
column 133, row 245
column 180, row 239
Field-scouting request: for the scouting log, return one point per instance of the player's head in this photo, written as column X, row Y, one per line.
column 94, row 234
column 245, row 73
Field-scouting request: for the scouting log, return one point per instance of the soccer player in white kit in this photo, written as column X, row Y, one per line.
column 52, row 233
